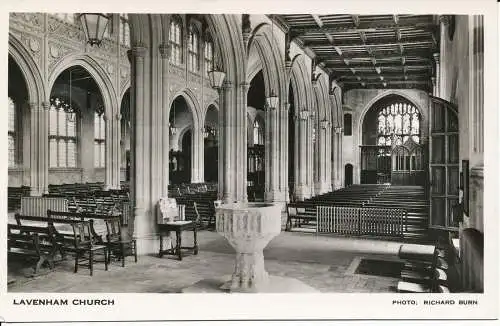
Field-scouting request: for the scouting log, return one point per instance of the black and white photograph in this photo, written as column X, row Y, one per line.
column 246, row 153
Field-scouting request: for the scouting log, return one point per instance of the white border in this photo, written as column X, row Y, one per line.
column 272, row 306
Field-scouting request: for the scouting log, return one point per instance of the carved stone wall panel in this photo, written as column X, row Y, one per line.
column 175, row 87
column 32, row 22
column 178, row 72
column 32, row 43
column 194, row 80
column 108, row 66
column 64, row 30
column 210, row 96
column 124, row 76
column 56, row 51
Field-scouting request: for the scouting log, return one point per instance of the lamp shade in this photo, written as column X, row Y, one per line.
column 94, row 25
column 272, row 101
column 216, row 78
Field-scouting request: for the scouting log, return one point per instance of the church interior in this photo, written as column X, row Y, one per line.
column 142, row 149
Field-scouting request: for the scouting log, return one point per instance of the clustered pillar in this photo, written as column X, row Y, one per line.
column 39, row 153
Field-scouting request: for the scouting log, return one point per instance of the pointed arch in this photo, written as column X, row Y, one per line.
column 35, row 84
column 95, row 70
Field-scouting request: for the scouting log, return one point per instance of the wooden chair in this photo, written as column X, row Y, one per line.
column 84, row 243
column 118, row 246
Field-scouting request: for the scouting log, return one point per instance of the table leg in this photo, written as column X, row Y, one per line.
column 179, row 244
column 195, row 241
column 160, row 254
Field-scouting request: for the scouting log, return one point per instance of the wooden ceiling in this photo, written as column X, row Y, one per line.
column 369, row 51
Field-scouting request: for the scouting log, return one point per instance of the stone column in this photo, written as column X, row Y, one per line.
column 438, row 75
column 283, row 170
column 112, row 179
column 196, row 148
column 301, row 181
column 141, row 147
column 310, row 154
column 322, row 158
column 39, row 153
column 272, row 155
column 232, row 144
column 165, row 130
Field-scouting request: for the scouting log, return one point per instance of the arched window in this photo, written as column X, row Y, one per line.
column 209, row 54
column 347, row 124
column 398, row 122
column 12, row 133
column 99, row 140
column 62, row 133
column 258, row 133
column 124, row 30
column 193, row 50
column 176, row 40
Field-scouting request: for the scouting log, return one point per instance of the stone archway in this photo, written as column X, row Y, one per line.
column 301, row 102
column 149, row 79
column 37, row 105
column 268, row 64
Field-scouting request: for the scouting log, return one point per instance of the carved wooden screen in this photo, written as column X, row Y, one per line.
column 443, row 164
column 407, row 164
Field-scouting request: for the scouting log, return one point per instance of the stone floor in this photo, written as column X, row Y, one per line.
column 324, row 262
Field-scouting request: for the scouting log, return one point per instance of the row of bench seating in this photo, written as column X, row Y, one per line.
column 301, row 215
column 425, row 269
column 82, row 234
column 14, row 195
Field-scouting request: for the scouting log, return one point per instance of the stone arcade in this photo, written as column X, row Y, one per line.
column 287, row 110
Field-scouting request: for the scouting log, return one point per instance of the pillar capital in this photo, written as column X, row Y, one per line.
column 304, row 114
column 137, row 51
column 46, row 105
column 444, row 19
column 227, row 85
column 245, row 86
column 164, row 49
column 324, row 124
column 436, row 57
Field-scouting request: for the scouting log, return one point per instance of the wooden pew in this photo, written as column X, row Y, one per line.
column 32, row 241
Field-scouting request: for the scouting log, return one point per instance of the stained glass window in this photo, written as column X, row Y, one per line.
column 209, row 54
column 12, row 133
column 62, row 133
column 258, row 133
column 176, row 40
column 99, row 140
column 397, row 123
column 193, row 52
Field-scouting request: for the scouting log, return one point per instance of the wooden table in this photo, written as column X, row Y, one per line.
column 177, row 227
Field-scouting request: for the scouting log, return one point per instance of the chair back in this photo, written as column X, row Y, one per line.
column 114, row 230
column 198, row 218
column 82, row 234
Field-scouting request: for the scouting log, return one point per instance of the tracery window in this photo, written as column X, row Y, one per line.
column 12, row 133
column 99, row 140
column 62, row 133
column 124, row 30
column 258, row 133
column 397, row 123
column 176, row 40
column 209, row 55
column 193, row 51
